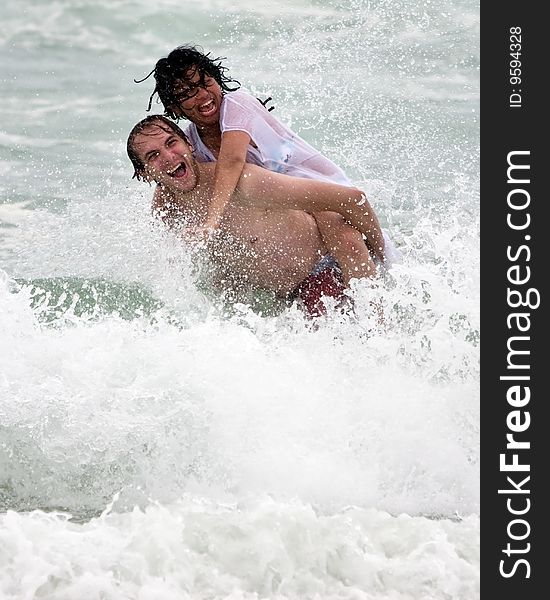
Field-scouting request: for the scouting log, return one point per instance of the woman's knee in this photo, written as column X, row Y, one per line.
column 329, row 222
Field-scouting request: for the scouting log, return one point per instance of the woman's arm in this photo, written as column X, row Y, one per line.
column 229, row 168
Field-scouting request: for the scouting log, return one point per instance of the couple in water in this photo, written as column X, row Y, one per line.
column 271, row 211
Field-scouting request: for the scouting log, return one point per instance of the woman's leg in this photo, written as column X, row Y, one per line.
column 346, row 244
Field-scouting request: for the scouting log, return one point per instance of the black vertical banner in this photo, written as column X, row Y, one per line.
column 515, row 433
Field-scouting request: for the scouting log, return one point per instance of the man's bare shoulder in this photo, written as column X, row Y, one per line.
column 206, row 171
column 160, row 201
column 164, row 206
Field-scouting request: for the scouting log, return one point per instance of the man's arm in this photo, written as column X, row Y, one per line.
column 265, row 189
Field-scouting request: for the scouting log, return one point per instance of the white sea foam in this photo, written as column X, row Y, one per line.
column 227, row 392
column 241, row 456
column 197, row 549
column 14, row 213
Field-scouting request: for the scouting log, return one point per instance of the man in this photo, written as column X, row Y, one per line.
column 268, row 238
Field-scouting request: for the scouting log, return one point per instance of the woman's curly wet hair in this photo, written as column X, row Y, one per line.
column 176, row 67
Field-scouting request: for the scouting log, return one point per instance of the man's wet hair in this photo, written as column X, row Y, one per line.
column 148, row 123
column 176, row 68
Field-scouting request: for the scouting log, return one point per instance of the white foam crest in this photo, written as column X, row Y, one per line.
column 260, row 548
column 17, row 319
column 13, row 213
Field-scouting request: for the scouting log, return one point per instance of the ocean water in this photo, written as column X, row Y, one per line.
column 156, row 443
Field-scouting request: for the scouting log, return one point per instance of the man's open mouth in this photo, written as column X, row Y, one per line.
column 178, row 171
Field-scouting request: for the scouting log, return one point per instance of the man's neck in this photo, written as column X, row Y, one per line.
column 194, row 203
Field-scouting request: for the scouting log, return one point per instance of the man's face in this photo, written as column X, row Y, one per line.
column 167, row 158
column 199, row 98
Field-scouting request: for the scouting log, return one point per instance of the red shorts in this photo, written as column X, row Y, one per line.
column 311, row 291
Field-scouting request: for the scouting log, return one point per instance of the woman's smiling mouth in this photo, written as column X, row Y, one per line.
column 207, row 109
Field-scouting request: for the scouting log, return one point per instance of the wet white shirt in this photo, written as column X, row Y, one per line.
column 273, row 146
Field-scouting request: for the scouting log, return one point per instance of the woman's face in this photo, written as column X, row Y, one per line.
column 198, row 98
